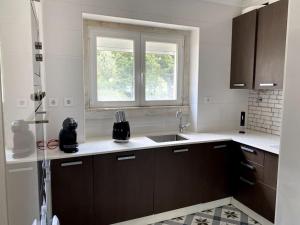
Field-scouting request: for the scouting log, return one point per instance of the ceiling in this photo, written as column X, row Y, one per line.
column 241, row 3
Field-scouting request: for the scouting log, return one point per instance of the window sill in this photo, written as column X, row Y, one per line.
column 98, row 109
column 108, row 113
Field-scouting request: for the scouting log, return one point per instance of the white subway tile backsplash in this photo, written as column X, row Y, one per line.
column 265, row 111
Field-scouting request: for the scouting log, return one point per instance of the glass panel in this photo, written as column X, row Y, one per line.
column 161, row 71
column 115, row 69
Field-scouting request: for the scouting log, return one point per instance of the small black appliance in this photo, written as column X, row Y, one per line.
column 121, row 128
column 242, row 123
column 68, row 136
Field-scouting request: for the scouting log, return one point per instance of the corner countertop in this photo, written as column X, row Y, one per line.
column 96, row 146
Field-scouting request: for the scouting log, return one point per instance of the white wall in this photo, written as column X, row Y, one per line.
column 17, row 68
column 288, row 196
column 64, row 59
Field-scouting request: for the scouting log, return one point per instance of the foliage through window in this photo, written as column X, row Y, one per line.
column 135, row 69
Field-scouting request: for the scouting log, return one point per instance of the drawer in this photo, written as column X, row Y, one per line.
column 252, row 154
column 252, row 171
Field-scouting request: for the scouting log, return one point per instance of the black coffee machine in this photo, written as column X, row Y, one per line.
column 121, row 128
column 68, row 136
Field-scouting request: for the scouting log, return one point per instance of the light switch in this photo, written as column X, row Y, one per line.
column 68, row 102
column 53, row 102
column 22, row 103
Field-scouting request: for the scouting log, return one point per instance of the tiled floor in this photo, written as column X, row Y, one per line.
column 225, row 215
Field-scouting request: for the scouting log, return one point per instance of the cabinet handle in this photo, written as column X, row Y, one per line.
column 220, row 146
column 267, row 84
column 67, row 164
column 244, row 180
column 239, row 85
column 248, row 166
column 247, row 149
column 20, row 170
column 130, row 157
column 181, row 150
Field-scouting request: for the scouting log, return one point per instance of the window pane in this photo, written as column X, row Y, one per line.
column 115, row 69
column 161, row 71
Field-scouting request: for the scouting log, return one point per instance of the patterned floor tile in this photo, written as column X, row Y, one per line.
column 225, row 215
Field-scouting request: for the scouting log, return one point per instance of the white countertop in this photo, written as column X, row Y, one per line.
column 95, row 146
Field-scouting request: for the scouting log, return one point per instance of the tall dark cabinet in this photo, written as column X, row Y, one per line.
column 243, row 51
column 271, row 42
column 258, row 48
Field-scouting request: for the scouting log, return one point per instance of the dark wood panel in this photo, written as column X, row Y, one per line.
column 252, row 154
column 252, row 171
column 123, row 189
column 271, row 43
column 269, row 204
column 271, row 170
column 72, row 190
column 243, row 51
column 217, row 167
column 177, row 177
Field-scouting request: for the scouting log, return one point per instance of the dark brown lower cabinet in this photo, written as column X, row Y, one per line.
column 72, row 190
column 177, row 177
column 258, row 197
column 111, row 188
column 216, row 175
column 123, row 186
column 189, row 175
column 255, row 184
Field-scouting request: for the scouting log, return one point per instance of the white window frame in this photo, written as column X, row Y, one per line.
column 140, row 39
column 164, row 38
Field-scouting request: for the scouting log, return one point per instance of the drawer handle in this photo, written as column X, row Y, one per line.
column 239, row 85
column 244, row 180
column 20, row 170
column 181, row 150
column 67, row 164
column 267, row 84
column 248, row 166
column 220, row 146
column 123, row 158
column 247, row 149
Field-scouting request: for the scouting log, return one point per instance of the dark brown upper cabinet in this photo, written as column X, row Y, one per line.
column 271, row 42
column 243, row 51
column 258, row 48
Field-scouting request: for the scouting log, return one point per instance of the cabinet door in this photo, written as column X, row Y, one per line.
column 177, row 177
column 123, row 186
column 271, row 42
column 243, row 51
column 72, row 190
column 217, row 174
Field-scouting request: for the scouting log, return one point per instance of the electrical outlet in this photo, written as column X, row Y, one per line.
column 52, row 102
column 22, row 103
column 68, row 102
column 207, row 100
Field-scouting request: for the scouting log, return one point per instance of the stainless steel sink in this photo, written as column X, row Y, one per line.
column 167, row 138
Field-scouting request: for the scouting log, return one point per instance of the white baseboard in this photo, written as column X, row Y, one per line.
column 250, row 212
column 176, row 213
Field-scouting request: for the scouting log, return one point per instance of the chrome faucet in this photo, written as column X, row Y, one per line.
column 181, row 125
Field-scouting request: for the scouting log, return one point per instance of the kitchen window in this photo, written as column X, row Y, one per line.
column 135, row 69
